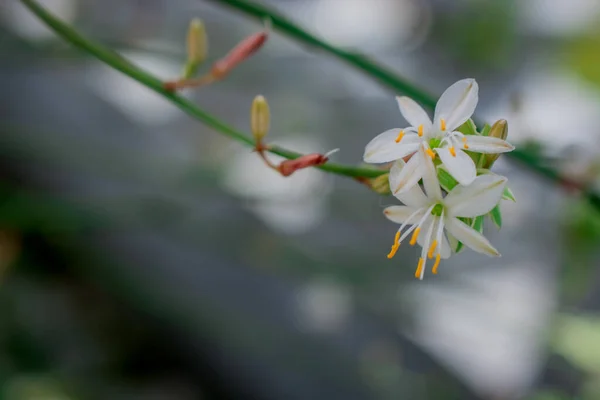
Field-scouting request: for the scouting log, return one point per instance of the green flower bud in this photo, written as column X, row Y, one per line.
column 197, row 47
column 381, row 184
column 499, row 130
column 260, row 118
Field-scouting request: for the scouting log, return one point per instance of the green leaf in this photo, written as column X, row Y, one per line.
column 447, row 182
column 508, row 195
column 486, row 130
column 468, row 128
column 496, row 216
column 478, row 224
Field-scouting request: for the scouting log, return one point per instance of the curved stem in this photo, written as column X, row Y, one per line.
column 389, row 79
column 119, row 63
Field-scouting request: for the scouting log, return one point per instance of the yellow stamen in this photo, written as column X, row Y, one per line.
column 430, row 153
column 432, row 249
column 464, row 140
column 443, row 124
column 420, row 130
column 395, row 246
column 437, row 262
column 400, row 136
column 452, row 151
column 393, row 251
column 419, row 268
column 413, row 239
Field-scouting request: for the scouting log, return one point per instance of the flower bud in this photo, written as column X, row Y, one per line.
column 260, row 118
column 197, row 47
column 381, row 184
column 498, row 130
column 238, row 54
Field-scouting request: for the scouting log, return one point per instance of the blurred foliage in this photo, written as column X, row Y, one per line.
column 581, row 235
column 483, row 32
column 582, row 55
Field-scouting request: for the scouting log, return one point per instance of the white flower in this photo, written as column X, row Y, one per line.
column 455, row 107
column 429, row 214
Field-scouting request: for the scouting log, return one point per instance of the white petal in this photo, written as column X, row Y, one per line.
column 453, row 242
column 399, row 214
column 430, row 179
column 488, row 144
column 445, row 250
column 483, row 194
column 470, row 237
column 408, row 176
column 461, row 167
column 457, row 103
column 424, row 231
column 383, row 148
column 414, row 196
column 414, row 113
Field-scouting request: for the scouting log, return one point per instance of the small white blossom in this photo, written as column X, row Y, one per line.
column 429, row 214
column 455, row 107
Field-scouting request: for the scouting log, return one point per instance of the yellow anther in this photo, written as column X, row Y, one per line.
column 432, row 249
column 420, row 130
column 452, row 151
column 464, row 140
column 419, row 268
column 430, row 153
column 400, row 136
column 395, row 246
column 393, row 251
column 437, row 262
column 414, row 237
column 443, row 124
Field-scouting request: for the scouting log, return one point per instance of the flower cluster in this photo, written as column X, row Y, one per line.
column 452, row 160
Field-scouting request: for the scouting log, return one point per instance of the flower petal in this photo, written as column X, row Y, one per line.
column 383, row 148
column 470, row 237
column 414, row 113
column 445, row 250
column 487, row 144
column 453, row 242
column 414, row 196
column 408, row 176
column 429, row 173
column 483, row 194
column 461, row 166
column 399, row 214
column 457, row 103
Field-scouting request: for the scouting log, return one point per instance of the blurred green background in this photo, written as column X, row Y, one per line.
column 144, row 256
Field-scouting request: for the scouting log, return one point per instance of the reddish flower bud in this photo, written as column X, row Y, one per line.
column 288, row 167
column 239, row 53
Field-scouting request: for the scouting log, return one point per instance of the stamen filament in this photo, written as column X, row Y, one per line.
column 432, row 248
column 443, row 124
column 437, row 262
column 414, row 237
column 400, row 136
column 430, row 153
column 452, row 151
column 420, row 130
column 419, row 268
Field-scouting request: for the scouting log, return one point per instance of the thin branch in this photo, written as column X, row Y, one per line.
column 119, row 63
column 391, row 80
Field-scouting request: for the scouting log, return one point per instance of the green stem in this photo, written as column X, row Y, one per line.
column 386, row 77
column 119, row 63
